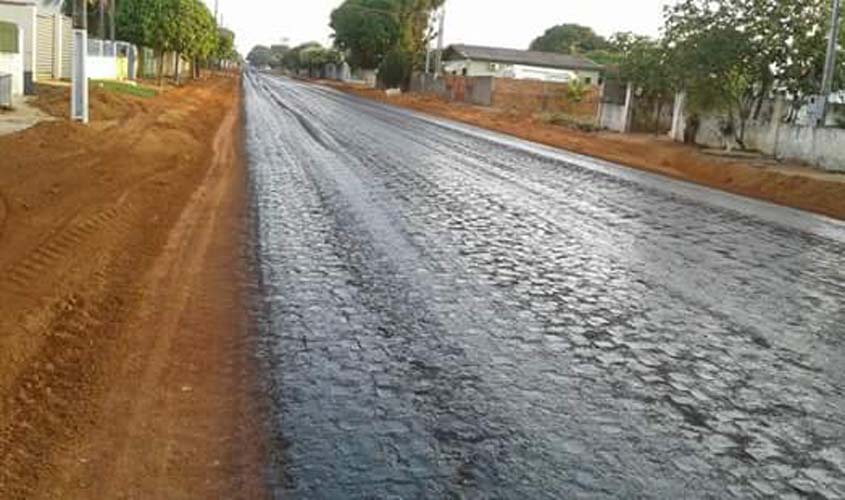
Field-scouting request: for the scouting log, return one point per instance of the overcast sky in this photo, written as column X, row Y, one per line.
column 502, row 23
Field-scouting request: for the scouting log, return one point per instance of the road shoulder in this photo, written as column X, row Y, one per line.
column 127, row 370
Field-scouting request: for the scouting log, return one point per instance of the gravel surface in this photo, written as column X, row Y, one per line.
column 448, row 313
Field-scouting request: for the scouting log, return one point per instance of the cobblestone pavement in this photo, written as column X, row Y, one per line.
column 453, row 314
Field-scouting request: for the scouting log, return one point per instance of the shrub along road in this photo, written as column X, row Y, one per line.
column 123, row 368
column 454, row 313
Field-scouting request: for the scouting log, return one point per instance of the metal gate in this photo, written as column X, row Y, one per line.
column 45, row 47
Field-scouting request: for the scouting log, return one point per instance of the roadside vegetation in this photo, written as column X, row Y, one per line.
column 125, row 88
column 185, row 28
column 727, row 55
column 390, row 36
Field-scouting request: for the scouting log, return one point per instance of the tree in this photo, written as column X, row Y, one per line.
column 277, row 53
column 721, row 54
column 644, row 63
column 293, row 59
column 415, row 29
column 366, row 29
column 142, row 22
column 570, row 39
column 782, row 42
column 189, row 29
column 225, row 49
column 315, row 57
column 260, row 56
column 99, row 15
column 395, row 70
column 369, row 29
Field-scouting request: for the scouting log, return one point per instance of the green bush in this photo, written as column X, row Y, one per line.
column 395, row 69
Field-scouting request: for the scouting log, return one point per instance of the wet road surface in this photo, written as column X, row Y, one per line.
column 449, row 313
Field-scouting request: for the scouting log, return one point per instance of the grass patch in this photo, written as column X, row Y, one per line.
column 125, row 88
column 566, row 120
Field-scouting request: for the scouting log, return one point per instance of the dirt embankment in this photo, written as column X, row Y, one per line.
column 124, row 357
column 790, row 185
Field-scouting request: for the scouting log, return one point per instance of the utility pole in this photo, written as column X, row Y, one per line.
column 79, row 84
column 217, row 11
column 830, row 60
column 438, row 61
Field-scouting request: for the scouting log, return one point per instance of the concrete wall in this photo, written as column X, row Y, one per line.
column 12, row 63
column 478, row 91
column 613, row 117
column 822, row 147
column 102, row 68
column 24, row 16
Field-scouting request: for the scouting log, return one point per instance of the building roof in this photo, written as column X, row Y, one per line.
column 526, row 57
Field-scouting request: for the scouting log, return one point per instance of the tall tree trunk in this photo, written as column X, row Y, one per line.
column 102, row 19
column 178, row 75
column 112, row 14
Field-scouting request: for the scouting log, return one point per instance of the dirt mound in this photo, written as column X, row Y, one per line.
column 104, row 104
column 117, row 273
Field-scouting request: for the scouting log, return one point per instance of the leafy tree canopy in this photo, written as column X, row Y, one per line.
column 366, row 29
column 570, row 39
column 260, row 55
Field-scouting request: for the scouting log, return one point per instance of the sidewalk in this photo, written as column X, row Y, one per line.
column 22, row 116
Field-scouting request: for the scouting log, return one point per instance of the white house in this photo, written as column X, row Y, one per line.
column 46, row 37
column 473, row 60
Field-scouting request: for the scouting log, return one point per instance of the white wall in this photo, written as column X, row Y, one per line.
column 821, row 147
column 483, row 68
column 101, row 68
column 613, row 117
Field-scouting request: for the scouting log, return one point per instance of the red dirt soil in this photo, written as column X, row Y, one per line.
column 786, row 184
column 124, row 355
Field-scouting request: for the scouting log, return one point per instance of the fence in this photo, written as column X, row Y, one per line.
column 109, row 60
column 5, row 90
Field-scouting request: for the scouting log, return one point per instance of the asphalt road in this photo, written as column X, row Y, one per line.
column 450, row 313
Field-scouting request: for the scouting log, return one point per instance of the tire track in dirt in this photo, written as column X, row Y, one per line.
column 3, row 213
column 69, row 293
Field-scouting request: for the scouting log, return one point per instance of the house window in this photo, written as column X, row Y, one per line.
column 588, row 80
column 9, row 38
column 464, row 72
